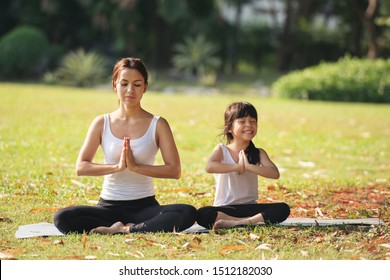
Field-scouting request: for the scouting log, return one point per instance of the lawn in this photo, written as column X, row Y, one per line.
column 333, row 158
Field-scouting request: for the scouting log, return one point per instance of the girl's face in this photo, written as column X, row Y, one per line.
column 244, row 128
column 130, row 86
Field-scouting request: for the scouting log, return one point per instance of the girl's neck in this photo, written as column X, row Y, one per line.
column 238, row 145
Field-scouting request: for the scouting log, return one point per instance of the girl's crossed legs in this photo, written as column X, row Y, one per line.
column 243, row 214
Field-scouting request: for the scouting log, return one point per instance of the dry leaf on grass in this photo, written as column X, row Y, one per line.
column 254, row 236
column 304, row 253
column 263, row 246
column 234, row 248
column 189, row 245
column 6, row 256
column 136, row 254
column 152, row 243
column 5, row 219
column 84, row 239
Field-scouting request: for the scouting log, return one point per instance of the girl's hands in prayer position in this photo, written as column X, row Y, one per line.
column 242, row 162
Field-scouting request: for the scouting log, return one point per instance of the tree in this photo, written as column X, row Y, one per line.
column 196, row 56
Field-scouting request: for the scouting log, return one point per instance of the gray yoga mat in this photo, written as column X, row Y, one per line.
column 48, row 229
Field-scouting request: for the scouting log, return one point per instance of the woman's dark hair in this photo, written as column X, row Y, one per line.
column 131, row 63
column 235, row 111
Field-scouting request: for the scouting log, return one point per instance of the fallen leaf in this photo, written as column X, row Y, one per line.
column 306, row 163
column 152, row 243
column 6, row 256
column 58, row 242
column 254, row 236
column 263, row 246
column 40, row 210
column 177, row 190
column 77, row 183
column 271, row 187
column 90, row 257
column 197, row 240
column 5, row 219
column 319, row 212
column 304, row 253
column 14, row 251
column 113, row 254
column 84, row 239
column 189, row 245
column 135, row 255
column 386, row 245
column 234, row 248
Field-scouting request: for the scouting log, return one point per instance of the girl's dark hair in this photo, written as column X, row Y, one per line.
column 235, row 111
column 131, row 63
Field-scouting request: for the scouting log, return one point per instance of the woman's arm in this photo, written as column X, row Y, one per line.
column 171, row 168
column 215, row 165
column 84, row 164
column 266, row 168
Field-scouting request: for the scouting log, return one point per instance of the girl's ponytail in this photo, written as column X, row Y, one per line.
column 252, row 153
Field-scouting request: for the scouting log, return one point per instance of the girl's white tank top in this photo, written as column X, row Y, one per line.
column 232, row 188
column 126, row 184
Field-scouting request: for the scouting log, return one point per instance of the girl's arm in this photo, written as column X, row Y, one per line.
column 215, row 165
column 266, row 168
column 171, row 168
column 84, row 164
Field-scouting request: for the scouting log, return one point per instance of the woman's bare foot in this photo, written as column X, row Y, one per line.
column 117, row 227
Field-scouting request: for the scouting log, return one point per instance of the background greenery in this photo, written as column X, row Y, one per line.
column 279, row 35
column 333, row 159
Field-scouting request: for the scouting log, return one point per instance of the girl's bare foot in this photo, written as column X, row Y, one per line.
column 117, row 227
column 226, row 224
column 232, row 223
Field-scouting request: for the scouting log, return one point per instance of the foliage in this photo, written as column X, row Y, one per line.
column 196, row 56
column 22, row 52
column 350, row 79
column 82, row 69
column 340, row 167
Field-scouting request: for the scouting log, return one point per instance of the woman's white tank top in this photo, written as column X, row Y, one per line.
column 126, row 184
column 232, row 188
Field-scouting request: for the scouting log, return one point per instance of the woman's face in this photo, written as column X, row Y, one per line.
column 130, row 86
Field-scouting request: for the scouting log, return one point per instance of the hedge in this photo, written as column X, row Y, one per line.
column 349, row 79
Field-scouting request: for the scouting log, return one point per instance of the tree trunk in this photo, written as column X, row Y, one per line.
column 285, row 37
column 367, row 17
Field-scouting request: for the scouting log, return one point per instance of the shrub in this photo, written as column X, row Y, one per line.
column 82, row 69
column 22, row 52
column 349, row 79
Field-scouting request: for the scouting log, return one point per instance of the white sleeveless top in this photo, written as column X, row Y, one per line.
column 126, row 184
column 232, row 188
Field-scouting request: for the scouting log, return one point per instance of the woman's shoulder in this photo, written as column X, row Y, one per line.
column 97, row 123
column 99, row 120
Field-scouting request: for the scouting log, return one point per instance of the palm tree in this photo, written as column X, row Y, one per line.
column 196, row 57
column 80, row 68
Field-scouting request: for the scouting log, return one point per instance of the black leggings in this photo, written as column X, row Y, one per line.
column 272, row 212
column 146, row 214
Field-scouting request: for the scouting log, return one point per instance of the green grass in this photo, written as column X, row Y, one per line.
column 332, row 156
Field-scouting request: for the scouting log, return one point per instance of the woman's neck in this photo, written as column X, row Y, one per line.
column 129, row 112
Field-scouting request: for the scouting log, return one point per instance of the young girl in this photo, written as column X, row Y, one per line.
column 236, row 167
column 130, row 137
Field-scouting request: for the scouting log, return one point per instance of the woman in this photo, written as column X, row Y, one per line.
column 130, row 137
